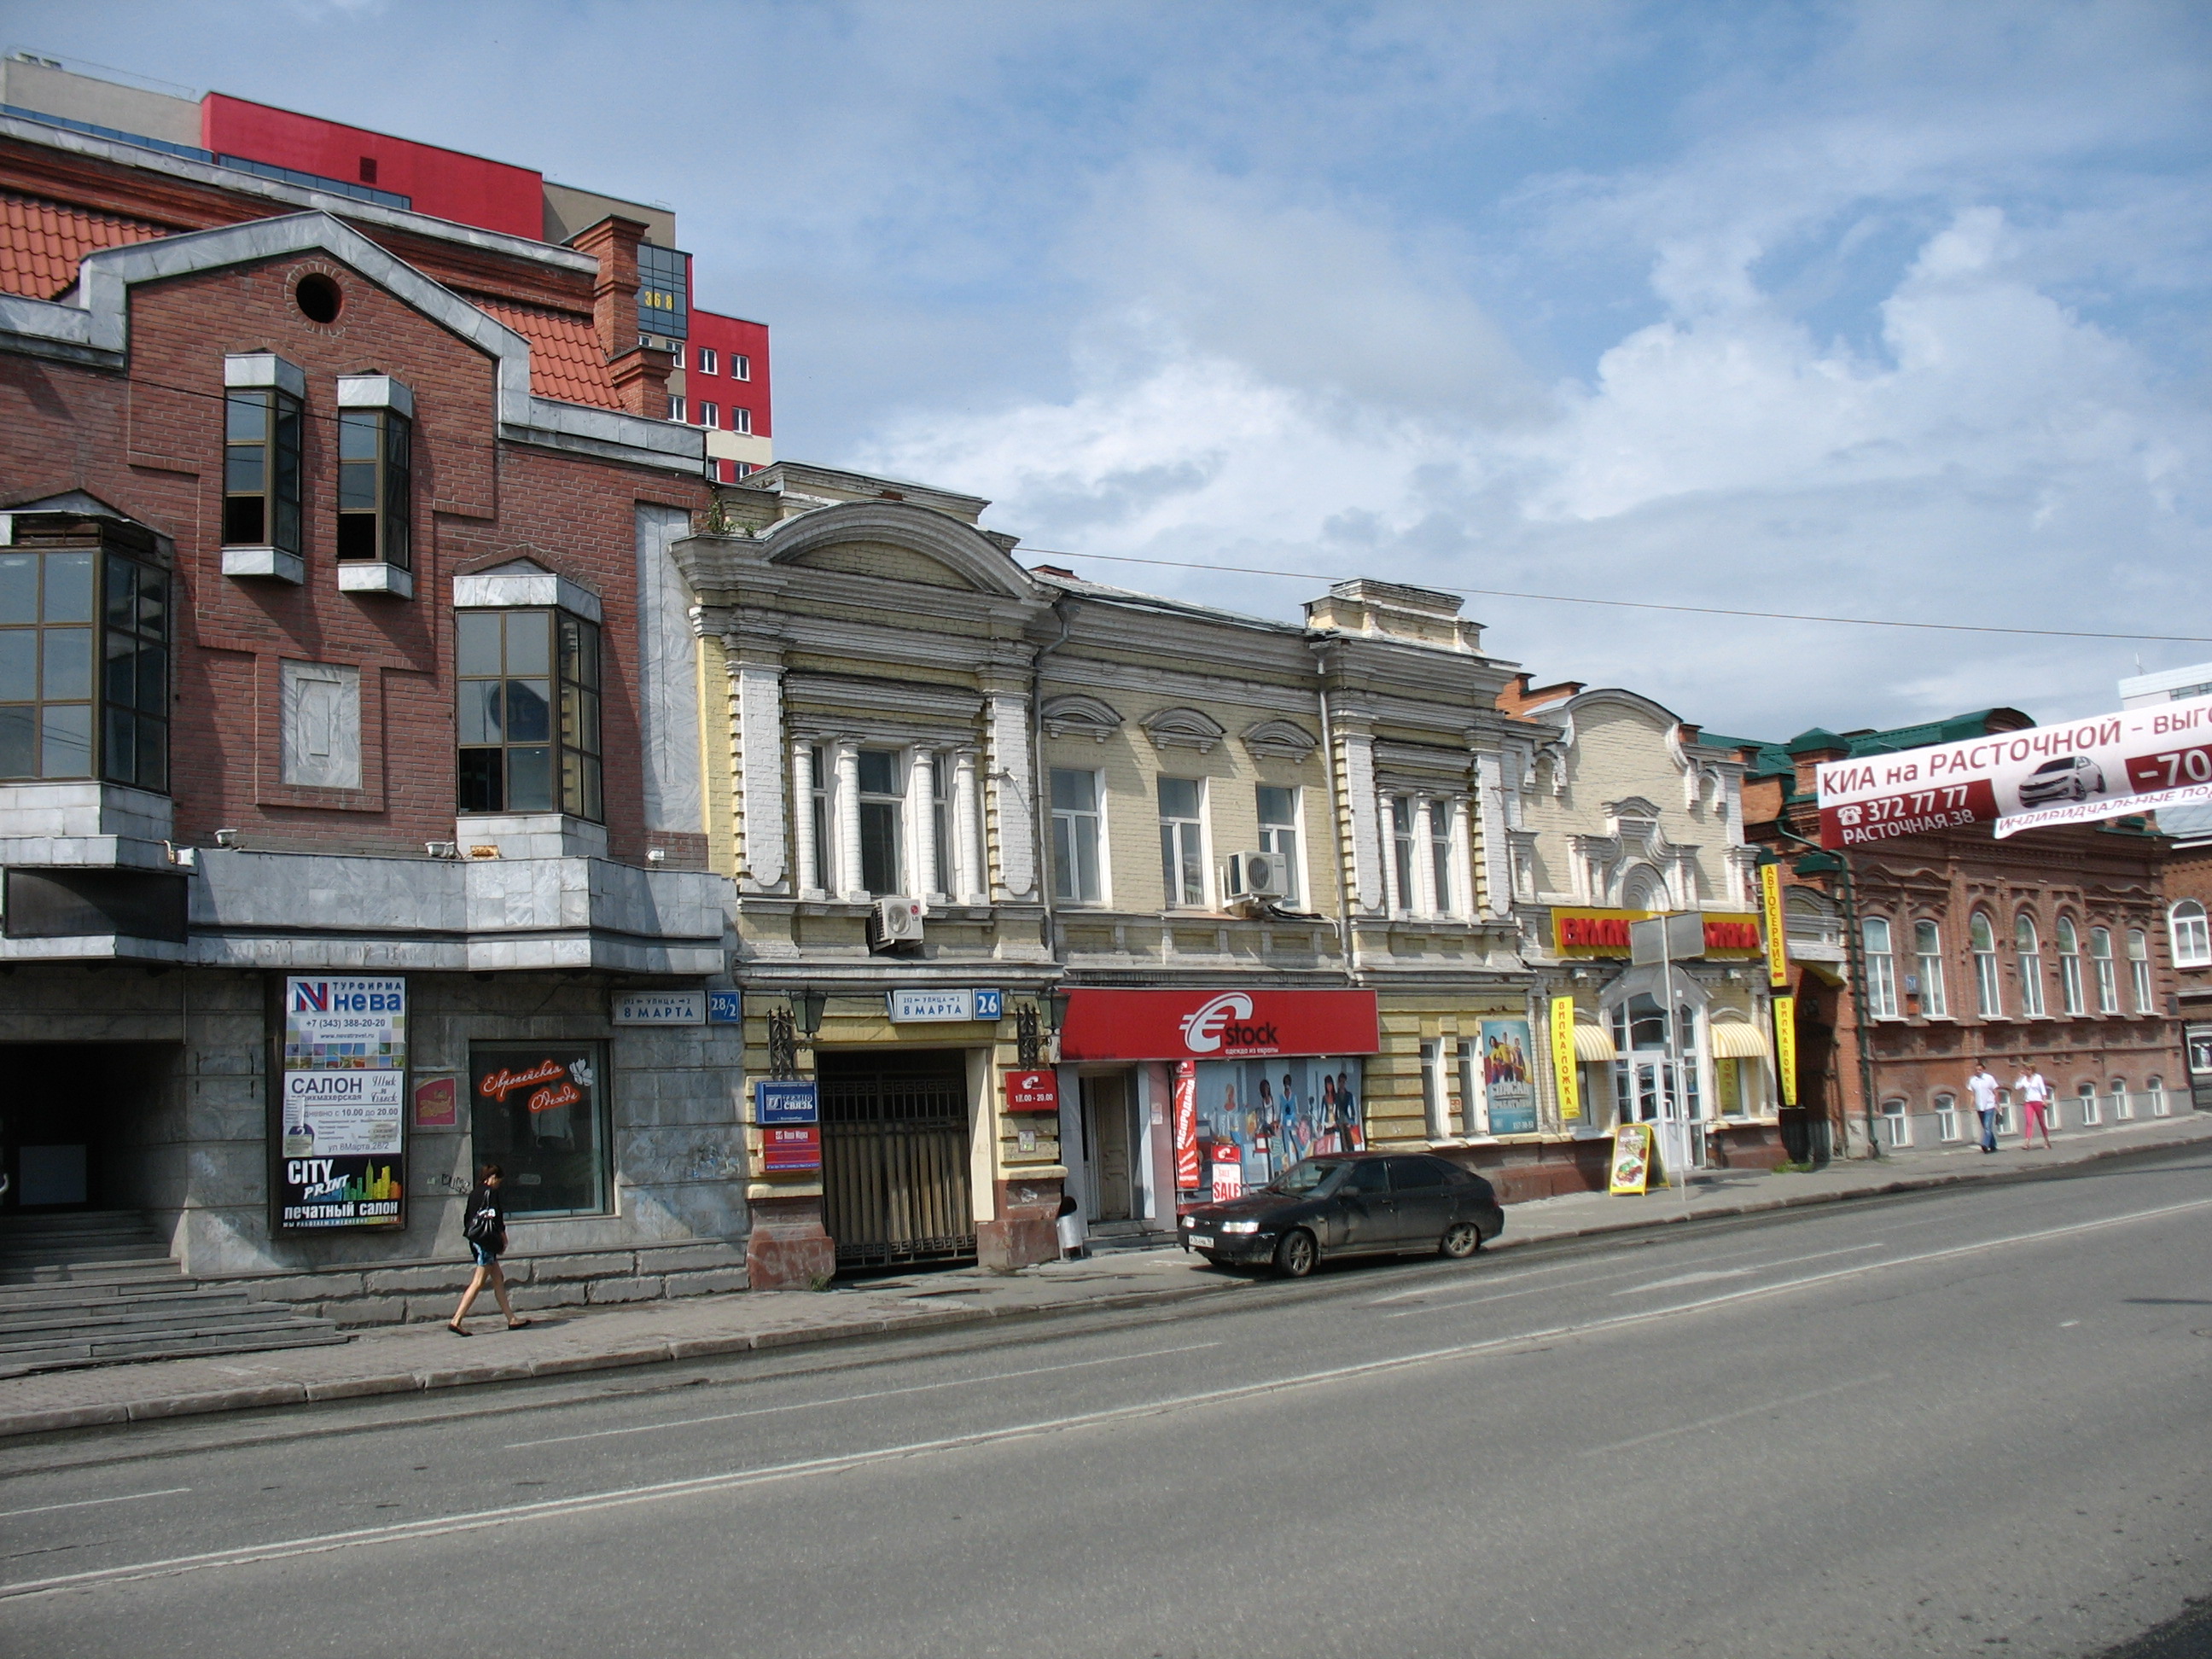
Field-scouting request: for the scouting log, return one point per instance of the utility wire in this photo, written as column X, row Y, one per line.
column 1649, row 605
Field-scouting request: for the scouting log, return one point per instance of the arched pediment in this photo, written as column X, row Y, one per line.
column 1078, row 716
column 897, row 541
column 1184, row 728
column 1280, row 739
column 1634, row 806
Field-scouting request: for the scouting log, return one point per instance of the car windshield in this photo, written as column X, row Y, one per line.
column 1307, row 1175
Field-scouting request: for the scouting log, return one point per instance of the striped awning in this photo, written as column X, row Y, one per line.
column 1594, row 1043
column 1736, row 1040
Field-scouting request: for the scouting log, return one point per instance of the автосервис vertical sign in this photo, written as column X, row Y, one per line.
column 341, row 1146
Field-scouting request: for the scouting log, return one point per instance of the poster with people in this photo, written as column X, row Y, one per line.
column 1258, row 1117
column 1508, row 1077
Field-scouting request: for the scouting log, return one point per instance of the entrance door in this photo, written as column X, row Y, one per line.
column 1106, row 1146
column 80, row 1122
column 1655, row 1098
column 895, row 1185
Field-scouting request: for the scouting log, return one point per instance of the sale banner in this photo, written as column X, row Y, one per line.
column 1564, row 1070
column 1188, row 1177
column 2111, row 767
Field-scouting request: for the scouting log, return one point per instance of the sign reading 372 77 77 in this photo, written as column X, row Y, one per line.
column 2080, row 773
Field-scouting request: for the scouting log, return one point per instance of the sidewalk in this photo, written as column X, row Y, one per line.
column 416, row 1358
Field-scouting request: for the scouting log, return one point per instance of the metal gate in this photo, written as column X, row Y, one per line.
column 895, row 1184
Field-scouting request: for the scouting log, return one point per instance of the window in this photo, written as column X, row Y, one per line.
column 1279, row 834
column 2192, row 940
column 1440, row 853
column 940, row 820
column 663, row 277
column 1182, row 855
column 2029, row 950
column 676, row 409
column 376, row 493
column 261, row 470
column 1401, row 851
column 1928, row 946
column 741, row 367
column 1896, row 1126
column 1432, row 1090
column 706, row 360
column 2139, row 968
column 84, row 667
column 1881, row 969
column 741, row 418
column 883, row 811
column 1075, row 837
column 2091, row 1113
column 1946, row 1118
column 1989, row 988
column 1470, row 1094
column 528, row 720
column 539, row 1111
column 2123, row 1107
column 2101, row 958
column 818, row 776
column 2154, row 1091
column 707, row 415
column 2069, row 964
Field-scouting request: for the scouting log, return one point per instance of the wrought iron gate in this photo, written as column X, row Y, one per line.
column 895, row 1184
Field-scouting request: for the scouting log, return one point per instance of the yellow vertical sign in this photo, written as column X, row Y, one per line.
column 1785, row 1048
column 1563, row 1070
column 1777, row 934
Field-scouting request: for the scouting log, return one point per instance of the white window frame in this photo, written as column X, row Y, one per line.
column 1935, row 1004
column 1474, row 1110
column 1434, row 1106
column 741, row 418
column 2070, row 968
column 2116, row 1094
column 706, row 360
column 2160, row 1101
column 1947, row 1127
column 1988, row 980
column 2189, row 933
column 675, row 408
column 1171, row 884
column 2093, row 1108
column 1443, row 856
column 741, row 367
column 2027, row 951
column 894, row 799
column 1271, row 837
column 704, row 414
column 1095, row 816
column 1881, row 968
column 2100, row 959
column 1897, row 1124
column 2139, row 968
column 1399, row 852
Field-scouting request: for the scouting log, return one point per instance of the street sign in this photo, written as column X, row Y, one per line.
column 923, row 1007
column 661, row 1008
column 726, row 1007
column 1677, row 938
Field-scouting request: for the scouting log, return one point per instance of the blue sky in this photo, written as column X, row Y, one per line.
column 1891, row 310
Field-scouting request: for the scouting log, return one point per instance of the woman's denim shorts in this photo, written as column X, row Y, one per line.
column 485, row 1257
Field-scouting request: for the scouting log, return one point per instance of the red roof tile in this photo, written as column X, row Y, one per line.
column 41, row 243
column 566, row 362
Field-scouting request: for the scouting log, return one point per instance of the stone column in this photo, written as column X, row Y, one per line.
column 1425, row 857
column 846, row 756
column 968, row 822
column 1387, row 889
column 922, row 822
column 802, row 817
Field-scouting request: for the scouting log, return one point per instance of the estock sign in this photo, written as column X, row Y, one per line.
column 1217, row 1025
column 2111, row 767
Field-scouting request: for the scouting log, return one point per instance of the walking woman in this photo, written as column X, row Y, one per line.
column 483, row 1224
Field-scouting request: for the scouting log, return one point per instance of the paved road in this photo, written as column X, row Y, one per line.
column 1968, row 1422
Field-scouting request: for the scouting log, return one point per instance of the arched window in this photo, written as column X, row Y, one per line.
column 1928, row 946
column 2030, row 952
column 2069, row 964
column 1896, row 1127
column 2154, row 1091
column 2101, row 958
column 2139, row 968
column 2192, row 940
column 1880, row 969
column 1989, row 989
column 2117, row 1089
column 1946, row 1117
column 2086, row 1093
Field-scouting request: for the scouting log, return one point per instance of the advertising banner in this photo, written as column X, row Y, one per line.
column 1580, row 933
column 2110, row 767
column 1508, row 1077
column 1217, row 1025
column 342, row 1105
column 1185, row 1128
column 1032, row 1091
column 1564, row 1067
column 1785, row 1049
column 1255, row 1118
column 1633, row 1155
column 797, row 1147
column 786, row 1101
column 1776, row 925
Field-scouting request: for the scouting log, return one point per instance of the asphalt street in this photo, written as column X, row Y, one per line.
column 1971, row 1421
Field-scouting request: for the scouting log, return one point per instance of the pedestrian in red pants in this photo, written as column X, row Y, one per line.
column 2034, row 1091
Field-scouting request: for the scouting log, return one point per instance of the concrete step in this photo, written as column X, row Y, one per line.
column 91, row 1292
column 115, row 1313
column 70, row 1354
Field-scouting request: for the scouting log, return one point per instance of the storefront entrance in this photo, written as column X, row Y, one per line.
column 895, row 1149
column 1108, row 1148
column 78, row 1122
column 1656, row 1096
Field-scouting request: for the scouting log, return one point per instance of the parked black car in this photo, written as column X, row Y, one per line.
column 1359, row 1204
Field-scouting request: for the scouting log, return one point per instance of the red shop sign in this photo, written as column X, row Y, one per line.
column 1217, row 1025
column 796, row 1147
column 1032, row 1091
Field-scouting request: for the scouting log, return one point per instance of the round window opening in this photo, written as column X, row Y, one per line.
column 319, row 297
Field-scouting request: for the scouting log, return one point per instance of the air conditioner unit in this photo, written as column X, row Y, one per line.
column 1258, row 875
column 898, row 919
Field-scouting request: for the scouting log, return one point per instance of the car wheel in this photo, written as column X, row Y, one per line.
column 1295, row 1256
column 1461, row 1240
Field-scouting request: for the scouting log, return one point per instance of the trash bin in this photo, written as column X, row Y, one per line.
column 1074, row 1236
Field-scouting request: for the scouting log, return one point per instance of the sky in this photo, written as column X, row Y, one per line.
column 1894, row 311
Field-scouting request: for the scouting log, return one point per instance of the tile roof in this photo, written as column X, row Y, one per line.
column 41, row 243
column 566, row 362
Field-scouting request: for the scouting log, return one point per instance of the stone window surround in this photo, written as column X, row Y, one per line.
column 965, row 884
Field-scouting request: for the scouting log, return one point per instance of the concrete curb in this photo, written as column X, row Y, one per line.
column 679, row 1349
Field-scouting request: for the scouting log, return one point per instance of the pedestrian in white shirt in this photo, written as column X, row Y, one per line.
column 2034, row 1091
column 1984, row 1088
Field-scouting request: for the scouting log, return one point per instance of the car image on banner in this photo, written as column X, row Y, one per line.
column 2072, row 777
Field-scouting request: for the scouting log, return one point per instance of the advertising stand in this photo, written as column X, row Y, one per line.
column 340, row 1144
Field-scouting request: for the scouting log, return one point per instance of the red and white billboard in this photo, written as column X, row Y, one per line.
column 1217, row 1025
column 2111, row 767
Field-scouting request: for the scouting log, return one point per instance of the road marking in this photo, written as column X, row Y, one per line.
column 849, row 1399
column 1731, row 1417
column 1686, row 1278
column 1438, row 1289
column 621, row 1498
column 88, row 1503
column 2068, row 1324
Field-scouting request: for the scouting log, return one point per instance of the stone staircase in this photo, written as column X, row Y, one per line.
column 97, row 1287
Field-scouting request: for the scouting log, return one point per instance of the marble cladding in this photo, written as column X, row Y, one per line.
column 80, row 811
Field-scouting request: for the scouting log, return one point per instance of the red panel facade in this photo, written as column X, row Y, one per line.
column 1217, row 1025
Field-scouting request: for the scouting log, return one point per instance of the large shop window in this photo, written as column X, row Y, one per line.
column 375, row 486
column 261, row 470
column 1075, row 826
column 528, row 720
column 84, row 667
column 539, row 1110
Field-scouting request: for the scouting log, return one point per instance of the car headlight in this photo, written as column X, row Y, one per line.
column 1240, row 1226
column 1189, row 1221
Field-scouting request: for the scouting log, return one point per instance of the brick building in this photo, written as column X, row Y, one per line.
column 1913, row 959
column 2188, row 885
column 340, row 643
